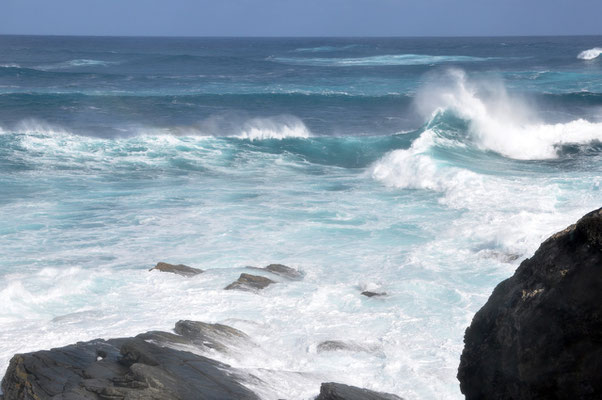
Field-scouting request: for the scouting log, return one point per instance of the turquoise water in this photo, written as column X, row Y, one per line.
column 418, row 167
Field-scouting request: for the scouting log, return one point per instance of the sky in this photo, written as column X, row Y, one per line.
column 301, row 17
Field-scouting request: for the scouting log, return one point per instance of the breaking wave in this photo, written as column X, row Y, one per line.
column 590, row 54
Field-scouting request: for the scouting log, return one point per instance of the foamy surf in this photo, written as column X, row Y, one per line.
column 363, row 177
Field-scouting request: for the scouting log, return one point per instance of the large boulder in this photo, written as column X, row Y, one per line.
column 128, row 369
column 539, row 336
column 338, row 391
column 179, row 269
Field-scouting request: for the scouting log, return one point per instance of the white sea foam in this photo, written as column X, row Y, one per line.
column 393, row 59
column 590, row 54
column 74, row 63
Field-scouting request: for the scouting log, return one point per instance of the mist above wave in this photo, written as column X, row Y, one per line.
column 500, row 122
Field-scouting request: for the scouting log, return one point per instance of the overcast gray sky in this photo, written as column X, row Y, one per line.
column 301, row 17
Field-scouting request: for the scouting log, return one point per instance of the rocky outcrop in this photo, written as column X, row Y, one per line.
column 131, row 368
column 338, row 391
column 539, row 336
column 250, row 282
column 179, row 269
column 282, row 270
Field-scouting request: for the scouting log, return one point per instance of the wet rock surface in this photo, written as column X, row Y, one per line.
column 250, row 282
column 282, row 270
column 179, row 269
column 129, row 368
column 338, row 391
column 539, row 336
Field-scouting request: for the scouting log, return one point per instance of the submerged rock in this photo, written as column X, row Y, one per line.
column 369, row 293
column 249, row 282
column 338, row 391
column 339, row 345
column 129, row 368
column 179, row 269
column 539, row 336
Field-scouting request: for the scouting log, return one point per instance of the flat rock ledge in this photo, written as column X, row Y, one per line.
column 338, row 391
column 150, row 366
column 539, row 336
column 128, row 369
column 248, row 282
column 179, row 269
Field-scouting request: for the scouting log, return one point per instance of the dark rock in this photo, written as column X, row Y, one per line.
column 368, row 293
column 179, row 269
column 250, row 282
column 282, row 270
column 338, row 391
column 539, row 336
column 130, row 368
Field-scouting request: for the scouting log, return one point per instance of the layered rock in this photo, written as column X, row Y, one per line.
column 129, row 368
column 539, row 336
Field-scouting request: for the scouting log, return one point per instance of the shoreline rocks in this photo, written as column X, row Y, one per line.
column 540, row 333
column 179, row 269
column 126, row 368
column 151, row 365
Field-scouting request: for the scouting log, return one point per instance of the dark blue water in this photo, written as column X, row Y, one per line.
column 417, row 166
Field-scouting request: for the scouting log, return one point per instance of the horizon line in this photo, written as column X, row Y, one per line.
column 297, row 36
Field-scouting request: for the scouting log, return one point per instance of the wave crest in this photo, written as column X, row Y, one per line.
column 590, row 54
column 274, row 128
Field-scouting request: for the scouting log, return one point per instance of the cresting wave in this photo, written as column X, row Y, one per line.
column 489, row 119
column 396, row 59
column 590, row 54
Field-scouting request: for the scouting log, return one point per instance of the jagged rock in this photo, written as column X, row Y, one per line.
column 250, row 282
column 369, row 293
column 179, row 269
column 282, row 270
column 129, row 369
column 338, row 391
column 539, row 336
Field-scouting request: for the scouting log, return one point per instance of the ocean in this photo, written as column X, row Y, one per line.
column 426, row 168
